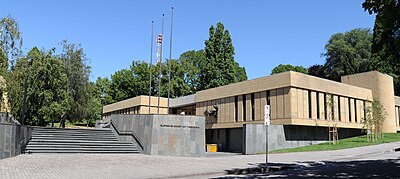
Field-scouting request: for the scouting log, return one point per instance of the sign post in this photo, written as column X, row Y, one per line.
column 267, row 122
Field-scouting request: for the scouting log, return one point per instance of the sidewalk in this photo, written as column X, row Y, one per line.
column 145, row 166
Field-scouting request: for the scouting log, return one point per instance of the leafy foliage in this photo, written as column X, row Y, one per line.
column 10, row 41
column 386, row 38
column 373, row 122
column 347, row 53
column 220, row 67
column 287, row 67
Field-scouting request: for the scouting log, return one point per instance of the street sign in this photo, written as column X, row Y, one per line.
column 267, row 120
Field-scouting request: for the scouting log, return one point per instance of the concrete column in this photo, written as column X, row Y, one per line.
column 313, row 105
column 273, row 105
column 345, row 107
column 321, row 106
column 293, row 103
column 305, row 104
column 257, row 105
column 300, row 104
column 382, row 89
column 240, row 108
column 287, row 102
column 280, row 108
column 248, row 108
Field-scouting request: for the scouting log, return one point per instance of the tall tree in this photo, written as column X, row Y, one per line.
column 10, row 41
column 347, row 53
column 122, row 85
column 77, row 72
column 386, row 38
column 287, row 67
column 220, row 68
column 193, row 61
column 47, row 96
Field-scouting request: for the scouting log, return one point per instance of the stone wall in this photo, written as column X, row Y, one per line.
column 13, row 139
column 173, row 135
column 286, row 136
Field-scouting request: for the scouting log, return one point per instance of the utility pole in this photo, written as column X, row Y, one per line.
column 170, row 56
column 160, row 43
column 151, row 61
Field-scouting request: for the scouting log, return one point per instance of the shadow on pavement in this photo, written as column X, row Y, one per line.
column 347, row 169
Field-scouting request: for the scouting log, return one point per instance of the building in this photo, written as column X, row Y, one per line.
column 302, row 108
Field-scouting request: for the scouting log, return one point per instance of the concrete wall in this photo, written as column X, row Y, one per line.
column 281, row 136
column 382, row 89
column 174, row 135
column 294, row 99
column 13, row 139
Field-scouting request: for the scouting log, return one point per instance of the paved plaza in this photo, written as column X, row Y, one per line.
column 146, row 166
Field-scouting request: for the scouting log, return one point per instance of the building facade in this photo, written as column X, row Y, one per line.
column 305, row 106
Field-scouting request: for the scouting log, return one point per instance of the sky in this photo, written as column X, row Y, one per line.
column 113, row 33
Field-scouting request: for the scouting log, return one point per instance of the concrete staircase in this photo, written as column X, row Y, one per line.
column 59, row 140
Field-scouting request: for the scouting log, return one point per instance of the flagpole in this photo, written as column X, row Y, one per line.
column 170, row 55
column 160, row 74
column 151, row 61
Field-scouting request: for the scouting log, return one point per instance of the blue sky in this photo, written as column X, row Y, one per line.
column 265, row 33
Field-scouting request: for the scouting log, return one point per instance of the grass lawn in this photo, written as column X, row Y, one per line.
column 344, row 144
column 70, row 125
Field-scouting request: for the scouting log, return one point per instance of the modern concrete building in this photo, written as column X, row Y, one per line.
column 302, row 107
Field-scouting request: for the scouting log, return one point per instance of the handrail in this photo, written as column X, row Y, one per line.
column 130, row 133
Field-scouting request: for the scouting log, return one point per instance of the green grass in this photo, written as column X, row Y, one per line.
column 70, row 125
column 343, row 144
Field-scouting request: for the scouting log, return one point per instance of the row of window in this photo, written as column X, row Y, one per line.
column 397, row 115
column 131, row 110
column 332, row 104
column 326, row 106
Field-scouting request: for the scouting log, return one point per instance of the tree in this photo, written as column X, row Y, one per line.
column 77, row 72
column 283, row 68
column 386, row 38
column 193, row 61
column 122, row 85
column 317, row 70
column 47, row 95
column 347, row 53
column 373, row 122
column 220, row 67
column 103, row 86
column 10, row 41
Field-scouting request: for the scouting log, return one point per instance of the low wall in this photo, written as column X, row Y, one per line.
column 13, row 139
column 174, row 135
column 289, row 136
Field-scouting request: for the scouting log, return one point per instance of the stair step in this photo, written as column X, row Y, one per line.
column 77, row 141
column 66, row 140
column 80, row 151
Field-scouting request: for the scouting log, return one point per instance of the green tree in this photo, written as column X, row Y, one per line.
column 373, row 122
column 283, row 68
column 347, row 53
column 47, row 96
column 220, row 67
column 317, row 70
column 10, row 40
column 386, row 38
column 77, row 72
column 122, row 85
column 192, row 62
column 103, row 86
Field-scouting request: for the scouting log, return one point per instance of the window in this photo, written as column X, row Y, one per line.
column 318, row 105
column 325, row 106
column 244, row 107
column 349, row 102
column 309, row 105
column 365, row 111
column 355, row 110
column 236, row 109
column 252, row 107
column 268, row 98
column 339, row 111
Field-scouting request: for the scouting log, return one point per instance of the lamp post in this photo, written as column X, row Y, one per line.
column 102, row 96
column 26, row 90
